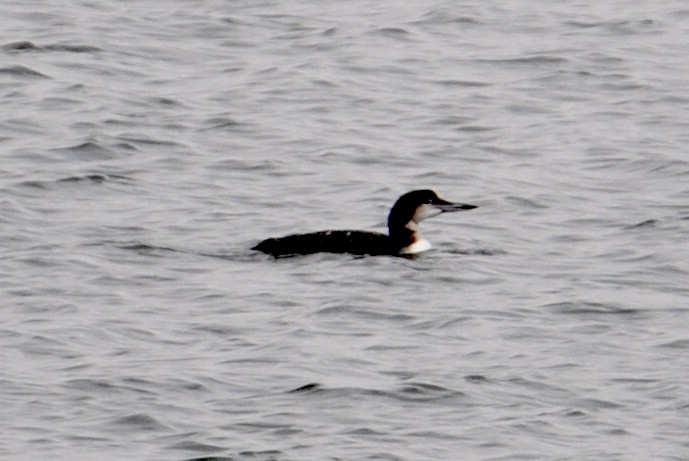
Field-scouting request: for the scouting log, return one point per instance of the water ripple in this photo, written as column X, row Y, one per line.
column 22, row 72
column 590, row 308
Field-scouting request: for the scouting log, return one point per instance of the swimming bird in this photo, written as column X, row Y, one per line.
column 403, row 238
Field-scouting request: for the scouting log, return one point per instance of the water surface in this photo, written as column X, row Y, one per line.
column 147, row 146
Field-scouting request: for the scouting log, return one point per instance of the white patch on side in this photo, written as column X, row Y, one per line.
column 426, row 211
column 419, row 246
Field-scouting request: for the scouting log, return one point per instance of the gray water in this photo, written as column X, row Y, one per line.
column 146, row 146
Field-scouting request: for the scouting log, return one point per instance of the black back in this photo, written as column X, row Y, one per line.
column 339, row 241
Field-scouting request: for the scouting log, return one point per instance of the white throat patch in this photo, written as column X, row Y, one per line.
column 419, row 246
column 426, row 211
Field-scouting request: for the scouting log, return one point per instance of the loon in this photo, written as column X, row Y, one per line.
column 403, row 237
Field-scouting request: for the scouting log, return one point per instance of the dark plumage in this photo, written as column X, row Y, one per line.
column 338, row 241
column 403, row 237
